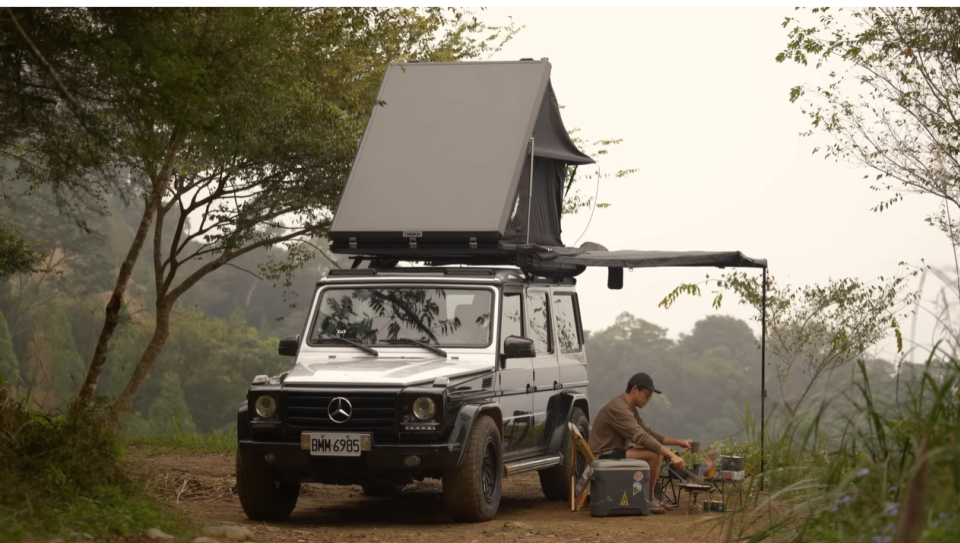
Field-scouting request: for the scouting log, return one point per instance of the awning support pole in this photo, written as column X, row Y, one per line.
column 530, row 191
column 763, row 372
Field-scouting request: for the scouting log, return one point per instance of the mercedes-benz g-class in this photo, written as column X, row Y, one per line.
column 468, row 375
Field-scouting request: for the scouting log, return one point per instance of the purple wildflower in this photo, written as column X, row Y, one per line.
column 864, row 472
column 892, row 509
column 944, row 516
column 881, row 539
column 892, row 490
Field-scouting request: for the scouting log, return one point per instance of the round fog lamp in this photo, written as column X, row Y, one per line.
column 266, row 406
column 424, row 408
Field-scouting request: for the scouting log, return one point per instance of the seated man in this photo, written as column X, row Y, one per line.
column 618, row 424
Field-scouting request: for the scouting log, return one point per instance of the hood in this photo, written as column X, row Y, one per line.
column 315, row 369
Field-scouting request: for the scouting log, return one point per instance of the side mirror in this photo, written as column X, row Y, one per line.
column 518, row 347
column 289, row 345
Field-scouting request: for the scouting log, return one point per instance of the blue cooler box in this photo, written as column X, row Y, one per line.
column 619, row 488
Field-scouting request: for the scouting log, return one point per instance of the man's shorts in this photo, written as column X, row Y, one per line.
column 618, row 454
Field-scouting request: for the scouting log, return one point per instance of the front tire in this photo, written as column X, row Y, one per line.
column 555, row 481
column 263, row 495
column 472, row 490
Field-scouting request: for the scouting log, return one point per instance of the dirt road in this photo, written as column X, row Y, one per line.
column 199, row 485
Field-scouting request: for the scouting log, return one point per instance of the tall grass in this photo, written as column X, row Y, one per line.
column 894, row 475
column 174, row 439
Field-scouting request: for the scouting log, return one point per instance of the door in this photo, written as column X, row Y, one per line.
column 571, row 357
column 515, row 379
column 546, row 372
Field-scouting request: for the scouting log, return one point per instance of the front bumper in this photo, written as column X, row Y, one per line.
column 291, row 457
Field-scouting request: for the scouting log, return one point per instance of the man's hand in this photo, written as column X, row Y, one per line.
column 678, row 462
column 685, row 443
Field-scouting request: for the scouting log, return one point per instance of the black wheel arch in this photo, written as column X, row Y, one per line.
column 467, row 417
column 243, row 423
column 566, row 401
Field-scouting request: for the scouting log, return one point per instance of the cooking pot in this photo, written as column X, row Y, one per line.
column 731, row 463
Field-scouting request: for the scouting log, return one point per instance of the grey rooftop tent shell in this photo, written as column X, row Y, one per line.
column 444, row 162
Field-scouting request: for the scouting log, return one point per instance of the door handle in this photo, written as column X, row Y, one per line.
column 556, row 385
column 528, row 388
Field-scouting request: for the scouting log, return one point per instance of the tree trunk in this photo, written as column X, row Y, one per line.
column 150, row 354
column 112, row 312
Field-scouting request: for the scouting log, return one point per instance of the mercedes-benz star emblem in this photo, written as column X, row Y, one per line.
column 340, row 410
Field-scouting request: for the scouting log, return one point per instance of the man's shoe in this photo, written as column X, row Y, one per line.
column 658, row 504
column 657, row 508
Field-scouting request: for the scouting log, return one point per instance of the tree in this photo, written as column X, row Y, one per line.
column 814, row 330
column 17, row 255
column 66, row 368
column 9, row 367
column 242, row 122
column 891, row 104
column 170, row 407
column 576, row 202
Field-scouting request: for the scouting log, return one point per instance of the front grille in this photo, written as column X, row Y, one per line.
column 307, row 410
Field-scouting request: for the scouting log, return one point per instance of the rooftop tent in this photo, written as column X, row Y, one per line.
column 444, row 162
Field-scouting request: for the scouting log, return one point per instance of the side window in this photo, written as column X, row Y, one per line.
column 568, row 333
column 538, row 321
column 511, row 320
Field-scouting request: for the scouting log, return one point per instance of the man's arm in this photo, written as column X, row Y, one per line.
column 674, row 457
column 685, row 443
column 665, row 441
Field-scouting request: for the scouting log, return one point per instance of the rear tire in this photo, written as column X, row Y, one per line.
column 263, row 495
column 472, row 490
column 555, row 481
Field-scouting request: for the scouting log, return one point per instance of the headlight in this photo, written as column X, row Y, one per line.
column 424, row 408
column 266, row 406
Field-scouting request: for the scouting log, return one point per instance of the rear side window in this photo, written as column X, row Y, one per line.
column 568, row 329
column 538, row 321
column 511, row 319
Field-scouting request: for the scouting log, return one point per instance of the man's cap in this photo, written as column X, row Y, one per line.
column 641, row 381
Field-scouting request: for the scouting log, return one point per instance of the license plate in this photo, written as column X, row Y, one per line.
column 335, row 444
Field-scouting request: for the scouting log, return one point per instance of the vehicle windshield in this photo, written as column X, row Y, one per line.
column 450, row 317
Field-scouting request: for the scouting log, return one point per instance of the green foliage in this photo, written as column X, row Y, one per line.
column 890, row 102
column 9, row 367
column 868, row 489
column 574, row 203
column 61, row 476
column 705, row 383
column 170, row 407
column 815, row 330
column 175, row 440
column 16, row 254
column 65, row 368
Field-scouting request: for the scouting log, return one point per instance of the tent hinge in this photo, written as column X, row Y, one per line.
column 353, row 243
column 473, row 243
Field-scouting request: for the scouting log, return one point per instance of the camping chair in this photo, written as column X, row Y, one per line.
column 579, row 444
column 667, row 483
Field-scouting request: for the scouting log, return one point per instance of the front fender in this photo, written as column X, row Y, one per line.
column 243, row 423
column 467, row 417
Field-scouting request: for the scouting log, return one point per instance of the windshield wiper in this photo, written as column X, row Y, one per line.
column 426, row 346
column 361, row 346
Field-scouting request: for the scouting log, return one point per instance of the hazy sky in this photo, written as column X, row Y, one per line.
column 702, row 108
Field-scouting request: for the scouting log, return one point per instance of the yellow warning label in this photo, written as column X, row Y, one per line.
column 623, row 501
